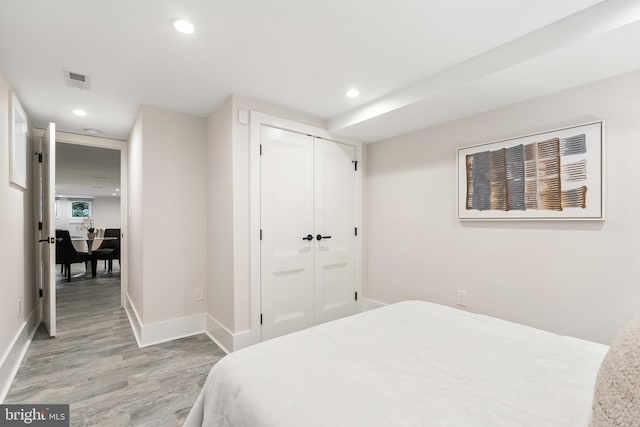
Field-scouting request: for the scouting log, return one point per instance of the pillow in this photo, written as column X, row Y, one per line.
column 616, row 399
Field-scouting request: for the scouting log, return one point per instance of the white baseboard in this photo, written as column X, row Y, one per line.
column 242, row 340
column 370, row 304
column 163, row 331
column 134, row 318
column 224, row 338
column 173, row 329
column 229, row 341
column 219, row 334
column 12, row 359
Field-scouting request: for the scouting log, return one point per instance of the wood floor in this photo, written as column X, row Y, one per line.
column 95, row 365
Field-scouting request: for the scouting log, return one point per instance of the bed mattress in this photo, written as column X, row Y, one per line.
column 412, row 363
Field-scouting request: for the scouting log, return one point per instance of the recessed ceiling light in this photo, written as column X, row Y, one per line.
column 353, row 93
column 184, row 27
column 92, row 131
column 113, row 194
column 79, row 112
column 117, row 189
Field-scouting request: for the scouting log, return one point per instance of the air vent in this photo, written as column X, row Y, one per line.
column 81, row 81
column 77, row 77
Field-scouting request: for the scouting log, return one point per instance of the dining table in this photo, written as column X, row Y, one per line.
column 90, row 241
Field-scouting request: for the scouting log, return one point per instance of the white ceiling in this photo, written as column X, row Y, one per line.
column 83, row 171
column 416, row 62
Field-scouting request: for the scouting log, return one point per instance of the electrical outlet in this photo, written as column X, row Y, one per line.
column 461, row 298
column 19, row 307
column 199, row 294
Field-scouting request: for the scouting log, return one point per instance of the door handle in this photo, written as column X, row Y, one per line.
column 309, row 237
column 51, row 240
column 320, row 237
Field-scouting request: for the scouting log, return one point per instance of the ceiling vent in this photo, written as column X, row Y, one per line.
column 81, row 81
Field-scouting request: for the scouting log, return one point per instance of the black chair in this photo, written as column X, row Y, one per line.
column 66, row 254
column 109, row 250
column 59, row 253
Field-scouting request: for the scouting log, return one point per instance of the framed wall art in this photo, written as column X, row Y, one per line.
column 551, row 175
column 18, row 143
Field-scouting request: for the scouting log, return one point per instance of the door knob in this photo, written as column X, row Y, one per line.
column 320, row 237
column 309, row 237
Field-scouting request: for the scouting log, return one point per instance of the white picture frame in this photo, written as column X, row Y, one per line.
column 18, row 143
column 568, row 184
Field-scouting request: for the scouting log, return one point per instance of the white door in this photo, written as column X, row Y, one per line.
column 335, row 222
column 47, row 264
column 286, row 203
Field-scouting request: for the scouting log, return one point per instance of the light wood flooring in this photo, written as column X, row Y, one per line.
column 95, row 365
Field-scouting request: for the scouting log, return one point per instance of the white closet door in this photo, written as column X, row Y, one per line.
column 335, row 216
column 286, row 217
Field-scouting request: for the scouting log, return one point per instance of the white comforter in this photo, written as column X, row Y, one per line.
column 408, row 364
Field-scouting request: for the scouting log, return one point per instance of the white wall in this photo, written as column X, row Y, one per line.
column 172, row 228
column 17, row 254
column 220, row 289
column 105, row 212
column 573, row 278
column 135, row 218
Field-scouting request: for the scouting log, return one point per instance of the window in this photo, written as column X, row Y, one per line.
column 80, row 209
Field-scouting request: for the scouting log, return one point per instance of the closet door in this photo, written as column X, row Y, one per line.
column 335, row 221
column 286, row 217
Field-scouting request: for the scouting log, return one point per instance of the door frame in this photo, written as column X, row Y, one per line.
column 45, row 162
column 258, row 119
column 113, row 144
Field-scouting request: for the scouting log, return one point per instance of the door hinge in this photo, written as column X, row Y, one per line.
column 39, row 157
column 261, row 234
column 356, row 295
column 261, row 149
column 355, row 165
column 261, row 318
column 356, row 231
column 39, row 225
column 41, row 292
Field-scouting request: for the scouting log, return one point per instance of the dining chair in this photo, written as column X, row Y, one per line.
column 109, row 250
column 67, row 254
column 59, row 254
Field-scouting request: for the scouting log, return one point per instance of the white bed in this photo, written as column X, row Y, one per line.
column 408, row 364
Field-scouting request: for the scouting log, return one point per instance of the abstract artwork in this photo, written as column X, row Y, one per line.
column 550, row 175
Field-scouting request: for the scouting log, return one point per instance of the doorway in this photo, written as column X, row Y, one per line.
column 90, row 193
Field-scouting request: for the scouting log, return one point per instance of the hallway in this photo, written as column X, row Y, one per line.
column 95, row 365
